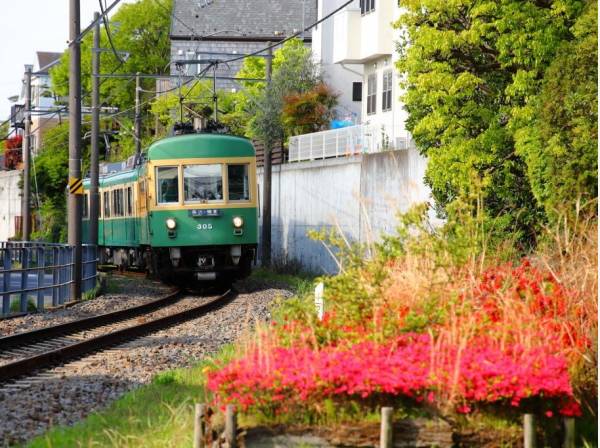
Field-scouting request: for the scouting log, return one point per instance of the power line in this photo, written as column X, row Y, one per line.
column 281, row 42
column 172, row 15
column 107, row 28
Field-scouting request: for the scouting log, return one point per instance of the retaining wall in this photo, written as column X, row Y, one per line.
column 359, row 196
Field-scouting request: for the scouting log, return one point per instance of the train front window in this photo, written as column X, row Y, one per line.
column 237, row 178
column 202, row 183
column 167, row 184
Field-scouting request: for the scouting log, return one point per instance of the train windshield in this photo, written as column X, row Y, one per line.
column 167, row 179
column 203, row 183
column 237, row 176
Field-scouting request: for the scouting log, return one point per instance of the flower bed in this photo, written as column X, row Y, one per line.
column 513, row 337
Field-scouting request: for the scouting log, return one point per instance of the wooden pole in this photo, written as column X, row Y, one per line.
column 199, row 425
column 385, row 440
column 529, row 431
column 230, row 426
column 569, row 433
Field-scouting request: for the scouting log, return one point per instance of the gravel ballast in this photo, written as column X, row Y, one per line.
column 68, row 393
column 131, row 292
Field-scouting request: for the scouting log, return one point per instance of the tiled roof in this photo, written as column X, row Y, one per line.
column 47, row 59
column 233, row 18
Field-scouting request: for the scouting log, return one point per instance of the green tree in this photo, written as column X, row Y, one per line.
column 197, row 101
column 52, row 171
column 293, row 72
column 4, row 130
column 471, row 68
column 560, row 145
column 142, row 30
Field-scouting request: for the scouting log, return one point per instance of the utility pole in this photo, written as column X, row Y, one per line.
column 74, row 202
column 266, row 223
column 138, row 117
column 215, row 97
column 94, row 156
column 26, row 152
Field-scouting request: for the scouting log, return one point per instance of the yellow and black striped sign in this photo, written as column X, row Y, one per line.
column 75, row 185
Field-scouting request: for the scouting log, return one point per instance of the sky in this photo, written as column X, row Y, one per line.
column 27, row 26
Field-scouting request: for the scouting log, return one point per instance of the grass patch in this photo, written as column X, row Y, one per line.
column 300, row 283
column 15, row 306
column 159, row 414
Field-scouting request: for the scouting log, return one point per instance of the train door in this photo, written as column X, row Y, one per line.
column 142, row 209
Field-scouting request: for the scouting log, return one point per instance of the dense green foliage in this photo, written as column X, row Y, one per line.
column 296, row 100
column 51, row 171
column 560, row 145
column 472, row 70
column 297, row 75
column 197, row 102
column 140, row 29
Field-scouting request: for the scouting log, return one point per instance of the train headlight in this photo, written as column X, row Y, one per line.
column 238, row 222
column 171, row 223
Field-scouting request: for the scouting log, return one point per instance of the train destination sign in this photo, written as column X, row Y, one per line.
column 207, row 212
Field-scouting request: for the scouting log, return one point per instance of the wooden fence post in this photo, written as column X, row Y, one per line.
column 529, row 431
column 230, row 426
column 569, row 432
column 199, row 425
column 385, row 440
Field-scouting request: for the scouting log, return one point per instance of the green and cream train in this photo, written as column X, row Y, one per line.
column 186, row 211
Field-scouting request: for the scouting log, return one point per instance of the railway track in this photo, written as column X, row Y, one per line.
column 26, row 353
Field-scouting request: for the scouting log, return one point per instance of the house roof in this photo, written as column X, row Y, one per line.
column 47, row 59
column 235, row 18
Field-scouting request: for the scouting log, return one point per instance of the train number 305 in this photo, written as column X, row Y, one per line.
column 204, row 227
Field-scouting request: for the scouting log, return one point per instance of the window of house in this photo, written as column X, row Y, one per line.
column 357, row 91
column 367, row 6
column 372, row 93
column 167, row 184
column 202, row 183
column 237, row 180
column 386, row 96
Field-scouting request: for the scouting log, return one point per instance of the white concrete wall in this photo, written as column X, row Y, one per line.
column 359, row 196
column 10, row 202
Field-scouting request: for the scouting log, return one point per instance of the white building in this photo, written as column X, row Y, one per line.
column 346, row 79
column 44, row 115
column 362, row 37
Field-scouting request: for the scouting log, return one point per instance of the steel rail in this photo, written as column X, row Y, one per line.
column 60, row 356
column 88, row 323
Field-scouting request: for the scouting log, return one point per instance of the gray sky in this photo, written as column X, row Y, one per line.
column 27, row 26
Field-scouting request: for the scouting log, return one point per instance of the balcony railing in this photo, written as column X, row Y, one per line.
column 344, row 142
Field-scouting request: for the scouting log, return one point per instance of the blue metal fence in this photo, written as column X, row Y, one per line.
column 41, row 273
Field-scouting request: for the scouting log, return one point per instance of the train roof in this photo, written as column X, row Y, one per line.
column 120, row 177
column 200, row 146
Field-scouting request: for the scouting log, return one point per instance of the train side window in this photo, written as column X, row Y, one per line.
column 120, row 202
column 117, row 197
column 237, row 180
column 106, row 201
column 129, row 201
column 167, row 184
column 85, row 206
column 203, row 183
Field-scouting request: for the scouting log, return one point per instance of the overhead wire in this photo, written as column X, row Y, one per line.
column 107, row 28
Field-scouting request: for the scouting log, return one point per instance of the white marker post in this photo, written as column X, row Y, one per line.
column 319, row 302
